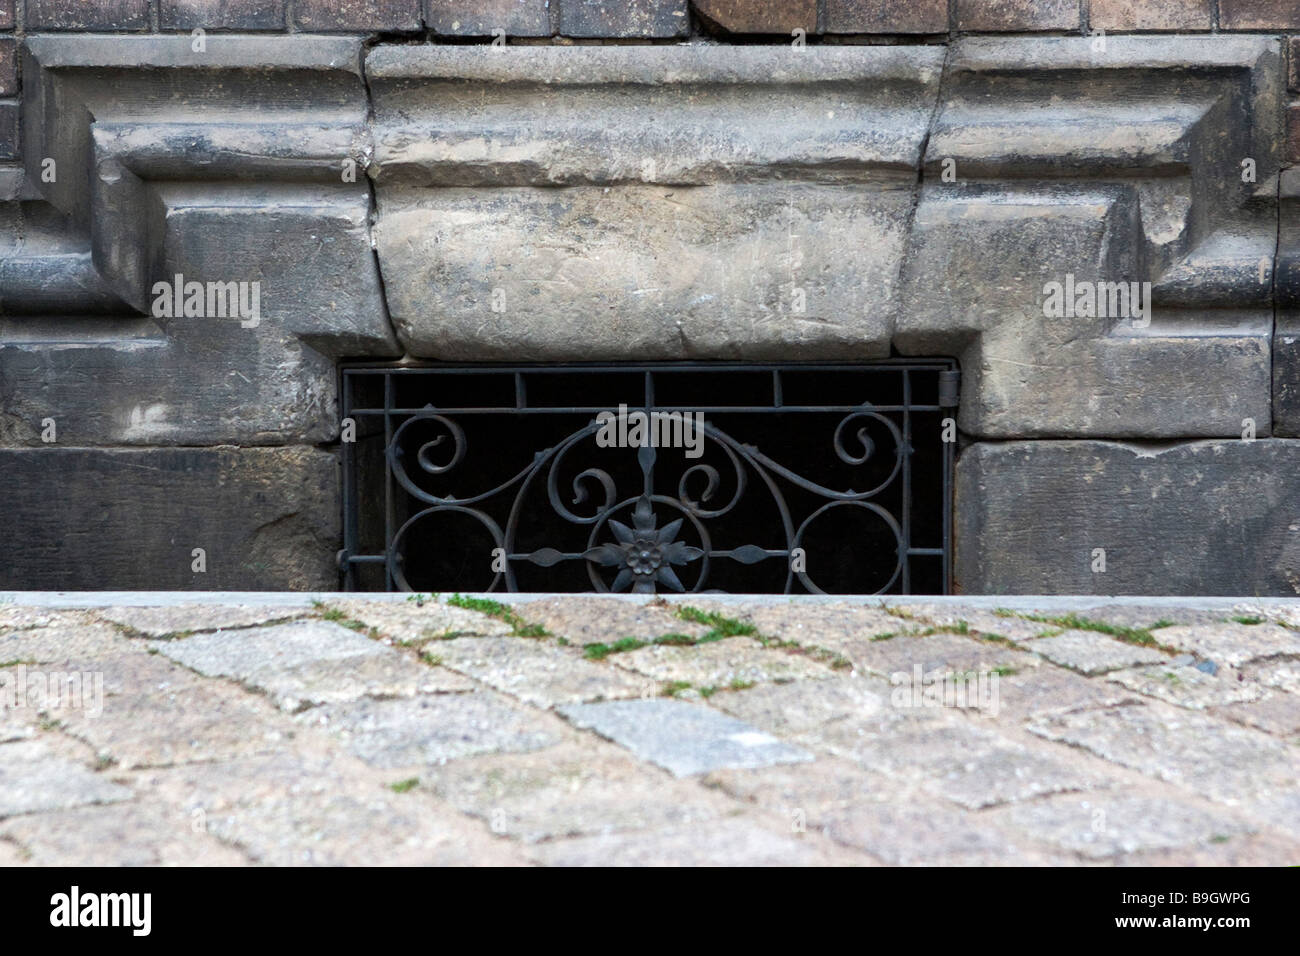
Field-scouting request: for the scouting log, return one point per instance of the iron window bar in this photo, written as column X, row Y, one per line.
column 648, row 540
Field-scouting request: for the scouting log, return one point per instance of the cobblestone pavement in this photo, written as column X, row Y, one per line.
column 583, row 730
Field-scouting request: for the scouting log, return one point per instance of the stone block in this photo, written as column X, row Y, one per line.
column 86, row 519
column 1215, row 517
column 886, row 16
column 708, row 234
column 759, row 16
column 1011, row 16
column 359, row 15
column 1120, row 15
column 480, row 18
column 1258, row 15
column 6, row 14
column 87, row 15
column 8, row 67
column 226, row 15
column 624, row 19
column 1025, row 200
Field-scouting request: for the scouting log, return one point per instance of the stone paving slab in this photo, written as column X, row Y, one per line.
column 1109, row 825
column 145, row 833
column 1277, row 714
column 434, row 729
column 589, row 620
column 63, row 642
column 725, row 663
column 571, row 790
column 734, row 842
column 33, row 776
column 537, row 672
column 827, row 625
column 1208, row 756
column 170, row 620
column 1187, row 686
column 1282, row 674
column 157, row 714
column 312, row 811
column 352, row 731
column 416, row 623
column 683, row 738
column 1091, row 653
column 933, row 654
column 1233, row 643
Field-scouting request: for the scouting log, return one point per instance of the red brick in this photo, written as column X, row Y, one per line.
column 1010, row 16
column 1150, row 15
column 330, row 15
column 624, row 18
column 8, row 67
column 479, row 18
column 221, row 14
column 1259, row 14
column 886, row 16
column 87, row 14
column 6, row 14
column 759, row 16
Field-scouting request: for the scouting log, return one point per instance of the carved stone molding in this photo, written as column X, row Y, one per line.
column 146, row 159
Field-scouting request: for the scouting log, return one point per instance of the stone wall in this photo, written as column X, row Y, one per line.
column 651, row 179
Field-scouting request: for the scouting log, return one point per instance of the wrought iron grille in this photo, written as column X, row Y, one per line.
column 799, row 479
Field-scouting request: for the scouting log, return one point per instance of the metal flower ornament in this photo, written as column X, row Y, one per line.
column 644, row 554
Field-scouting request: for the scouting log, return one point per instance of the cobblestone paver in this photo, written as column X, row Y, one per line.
column 601, row 731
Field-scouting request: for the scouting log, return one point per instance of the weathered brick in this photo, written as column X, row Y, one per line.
column 886, row 16
column 995, row 16
column 624, row 18
column 8, row 67
column 357, row 14
column 1293, row 133
column 221, row 14
column 1150, row 15
column 478, row 18
column 87, row 14
column 1293, row 58
column 759, row 16
column 8, row 130
column 1259, row 14
column 6, row 14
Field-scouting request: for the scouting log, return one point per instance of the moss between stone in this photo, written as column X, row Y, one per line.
column 518, row 626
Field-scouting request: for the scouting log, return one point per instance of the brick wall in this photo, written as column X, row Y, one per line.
column 652, row 19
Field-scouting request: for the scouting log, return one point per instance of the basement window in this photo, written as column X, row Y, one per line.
column 676, row 477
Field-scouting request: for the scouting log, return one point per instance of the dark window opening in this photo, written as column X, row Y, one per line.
column 737, row 478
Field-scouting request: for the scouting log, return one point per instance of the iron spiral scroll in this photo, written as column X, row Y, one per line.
column 643, row 519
